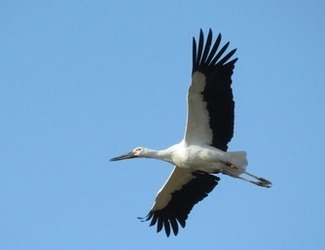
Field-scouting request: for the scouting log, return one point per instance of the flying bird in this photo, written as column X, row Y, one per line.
column 202, row 153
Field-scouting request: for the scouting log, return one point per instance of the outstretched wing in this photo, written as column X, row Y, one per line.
column 210, row 118
column 177, row 197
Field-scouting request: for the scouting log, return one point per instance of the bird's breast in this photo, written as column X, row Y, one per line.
column 197, row 158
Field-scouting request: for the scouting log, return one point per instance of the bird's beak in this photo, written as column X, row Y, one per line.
column 124, row 157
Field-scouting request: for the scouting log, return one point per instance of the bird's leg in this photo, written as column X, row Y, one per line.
column 258, row 183
column 261, row 181
column 264, row 183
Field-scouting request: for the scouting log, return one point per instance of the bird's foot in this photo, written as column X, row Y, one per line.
column 262, row 182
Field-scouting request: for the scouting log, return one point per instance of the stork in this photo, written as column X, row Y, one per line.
column 202, row 153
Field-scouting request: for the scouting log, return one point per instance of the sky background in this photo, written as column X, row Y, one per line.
column 84, row 81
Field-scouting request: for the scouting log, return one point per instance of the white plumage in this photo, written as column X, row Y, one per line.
column 203, row 151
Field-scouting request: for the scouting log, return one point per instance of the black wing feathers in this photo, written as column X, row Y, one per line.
column 207, row 47
column 217, row 93
column 177, row 210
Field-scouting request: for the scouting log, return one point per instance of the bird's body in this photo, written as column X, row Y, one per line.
column 203, row 151
column 199, row 157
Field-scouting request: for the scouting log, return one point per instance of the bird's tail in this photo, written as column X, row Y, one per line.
column 238, row 159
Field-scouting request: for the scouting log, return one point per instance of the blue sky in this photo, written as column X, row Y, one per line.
column 83, row 81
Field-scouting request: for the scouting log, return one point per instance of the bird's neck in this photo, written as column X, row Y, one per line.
column 164, row 155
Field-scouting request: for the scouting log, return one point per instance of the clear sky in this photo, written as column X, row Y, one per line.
column 83, row 81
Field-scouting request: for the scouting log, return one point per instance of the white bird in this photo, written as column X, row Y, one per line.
column 203, row 151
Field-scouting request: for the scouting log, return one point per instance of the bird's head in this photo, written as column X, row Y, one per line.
column 137, row 152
